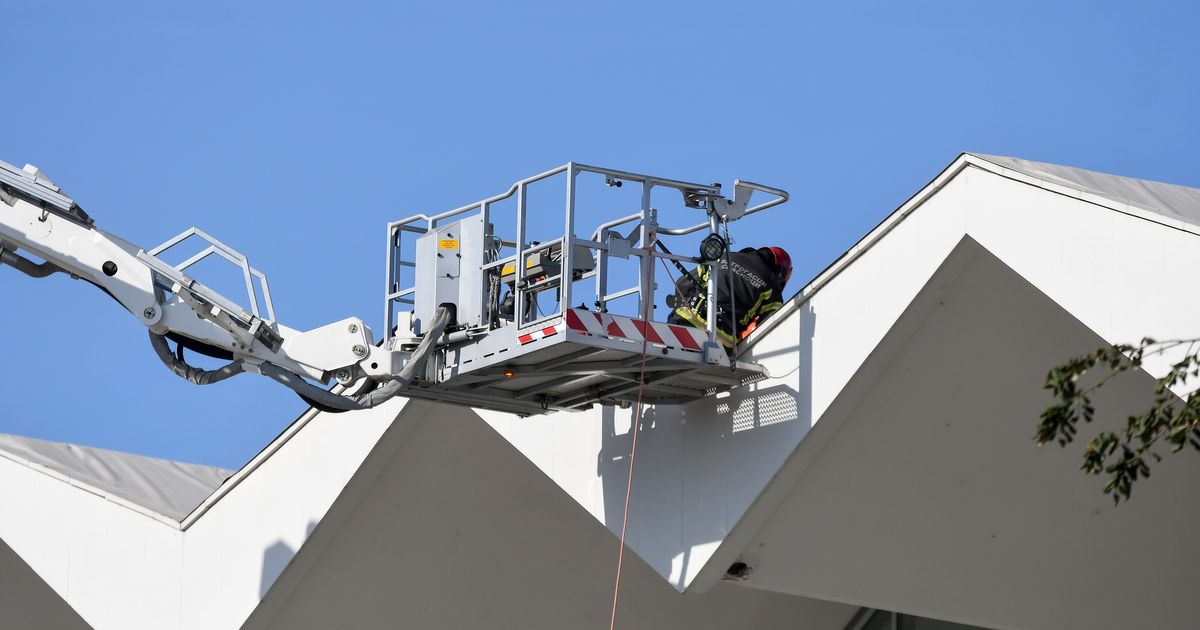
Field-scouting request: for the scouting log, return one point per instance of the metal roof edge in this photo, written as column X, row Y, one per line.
column 246, row 470
column 860, row 247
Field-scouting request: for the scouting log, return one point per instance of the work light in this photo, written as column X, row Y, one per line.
column 712, row 247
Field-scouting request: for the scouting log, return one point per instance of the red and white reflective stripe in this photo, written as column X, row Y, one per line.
column 620, row 327
column 539, row 334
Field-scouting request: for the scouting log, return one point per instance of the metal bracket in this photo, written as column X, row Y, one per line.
column 732, row 210
column 621, row 246
column 701, row 198
column 715, row 354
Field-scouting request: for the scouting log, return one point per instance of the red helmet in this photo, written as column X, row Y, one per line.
column 782, row 261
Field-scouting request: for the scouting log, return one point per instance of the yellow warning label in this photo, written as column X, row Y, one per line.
column 448, row 243
column 510, row 268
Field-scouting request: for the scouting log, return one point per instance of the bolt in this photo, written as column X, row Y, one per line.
column 149, row 313
column 353, row 328
column 342, row 375
column 359, row 350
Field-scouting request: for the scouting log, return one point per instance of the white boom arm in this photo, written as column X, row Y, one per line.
column 35, row 216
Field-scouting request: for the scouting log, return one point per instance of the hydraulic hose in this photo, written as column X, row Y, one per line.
column 376, row 397
column 188, row 373
column 26, row 266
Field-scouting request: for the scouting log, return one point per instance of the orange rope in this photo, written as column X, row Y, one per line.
column 637, row 416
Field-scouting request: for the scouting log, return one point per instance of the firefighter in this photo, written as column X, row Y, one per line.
column 759, row 276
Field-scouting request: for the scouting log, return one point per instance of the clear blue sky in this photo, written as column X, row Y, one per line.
column 295, row 133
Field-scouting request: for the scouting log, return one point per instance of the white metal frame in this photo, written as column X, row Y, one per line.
column 705, row 197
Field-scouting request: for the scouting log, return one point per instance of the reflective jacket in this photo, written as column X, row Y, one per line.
column 756, row 295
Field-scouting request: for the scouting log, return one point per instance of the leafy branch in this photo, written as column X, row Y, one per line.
column 1123, row 455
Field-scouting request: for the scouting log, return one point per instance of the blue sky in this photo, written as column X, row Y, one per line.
column 295, row 133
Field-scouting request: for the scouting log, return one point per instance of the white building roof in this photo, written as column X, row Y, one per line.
column 1177, row 202
column 171, row 489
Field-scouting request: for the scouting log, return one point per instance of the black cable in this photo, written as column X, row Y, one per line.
column 678, row 265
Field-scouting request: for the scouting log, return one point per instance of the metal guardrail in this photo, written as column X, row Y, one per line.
column 695, row 195
column 216, row 247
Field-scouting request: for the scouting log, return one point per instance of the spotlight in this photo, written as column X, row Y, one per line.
column 712, row 247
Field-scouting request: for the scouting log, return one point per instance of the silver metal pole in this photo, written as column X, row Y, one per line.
column 519, row 266
column 602, row 276
column 567, row 270
column 485, row 210
column 733, row 320
column 648, row 314
column 646, row 290
column 393, row 243
column 714, row 269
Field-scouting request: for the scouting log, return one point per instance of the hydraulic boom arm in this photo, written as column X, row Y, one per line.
column 38, row 218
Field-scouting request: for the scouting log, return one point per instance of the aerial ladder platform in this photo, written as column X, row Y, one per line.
column 474, row 315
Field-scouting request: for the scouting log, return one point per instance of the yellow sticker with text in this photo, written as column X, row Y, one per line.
column 448, row 243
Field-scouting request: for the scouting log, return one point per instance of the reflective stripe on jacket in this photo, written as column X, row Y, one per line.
column 755, row 292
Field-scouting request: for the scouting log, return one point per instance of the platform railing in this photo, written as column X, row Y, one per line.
column 602, row 242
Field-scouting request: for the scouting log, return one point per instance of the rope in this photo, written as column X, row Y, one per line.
column 678, row 294
column 637, row 417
